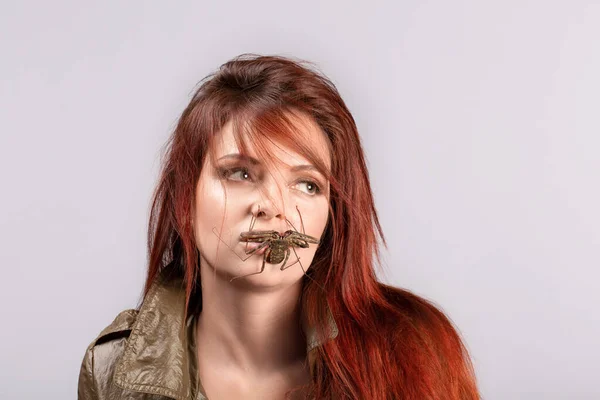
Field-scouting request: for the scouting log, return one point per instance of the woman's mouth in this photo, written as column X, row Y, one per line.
column 251, row 246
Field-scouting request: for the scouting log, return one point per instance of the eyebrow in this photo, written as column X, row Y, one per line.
column 238, row 156
column 254, row 161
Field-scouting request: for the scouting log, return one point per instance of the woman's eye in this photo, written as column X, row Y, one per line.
column 310, row 187
column 237, row 174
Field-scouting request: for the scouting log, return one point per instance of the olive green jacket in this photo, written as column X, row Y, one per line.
column 150, row 354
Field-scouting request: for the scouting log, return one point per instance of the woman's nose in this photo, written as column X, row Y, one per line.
column 266, row 209
column 272, row 202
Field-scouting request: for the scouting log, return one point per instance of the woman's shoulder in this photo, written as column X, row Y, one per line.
column 119, row 327
column 97, row 367
column 117, row 331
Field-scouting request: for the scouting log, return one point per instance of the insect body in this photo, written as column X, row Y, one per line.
column 278, row 245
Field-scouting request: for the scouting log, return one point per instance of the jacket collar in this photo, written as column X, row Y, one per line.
column 160, row 353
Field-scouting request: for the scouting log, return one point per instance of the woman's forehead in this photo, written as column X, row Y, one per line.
column 306, row 130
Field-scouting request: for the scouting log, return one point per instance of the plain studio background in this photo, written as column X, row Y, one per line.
column 481, row 126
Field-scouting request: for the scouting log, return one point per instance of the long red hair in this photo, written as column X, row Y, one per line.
column 392, row 344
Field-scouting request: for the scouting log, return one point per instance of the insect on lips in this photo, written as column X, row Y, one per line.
column 277, row 246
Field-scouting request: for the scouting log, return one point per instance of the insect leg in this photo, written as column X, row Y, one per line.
column 252, row 222
column 292, row 225
column 303, row 270
column 288, row 254
column 233, row 251
column 257, row 248
column 261, row 269
column 301, row 221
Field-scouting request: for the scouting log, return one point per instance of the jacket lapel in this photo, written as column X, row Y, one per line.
column 156, row 359
column 159, row 357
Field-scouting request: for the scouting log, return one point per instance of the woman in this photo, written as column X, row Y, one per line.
column 261, row 280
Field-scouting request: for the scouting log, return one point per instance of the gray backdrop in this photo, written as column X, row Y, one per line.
column 480, row 122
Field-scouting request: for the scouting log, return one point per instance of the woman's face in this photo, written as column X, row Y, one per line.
column 233, row 192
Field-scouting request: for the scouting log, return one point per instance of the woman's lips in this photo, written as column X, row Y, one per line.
column 251, row 246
